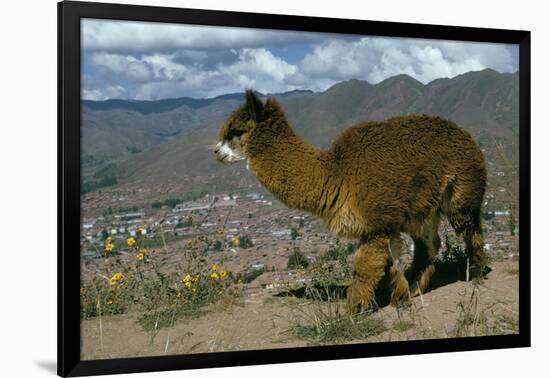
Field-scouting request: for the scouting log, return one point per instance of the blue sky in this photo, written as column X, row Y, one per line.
column 150, row 61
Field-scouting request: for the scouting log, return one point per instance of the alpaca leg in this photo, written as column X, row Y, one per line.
column 399, row 286
column 426, row 247
column 422, row 267
column 371, row 258
column 400, row 296
column 473, row 239
column 464, row 213
column 468, row 225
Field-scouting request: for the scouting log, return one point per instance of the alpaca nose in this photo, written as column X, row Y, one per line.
column 216, row 150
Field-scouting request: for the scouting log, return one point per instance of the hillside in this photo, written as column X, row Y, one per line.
column 162, row 141
column 115, row 129
column 484, row 102
column 443, row 313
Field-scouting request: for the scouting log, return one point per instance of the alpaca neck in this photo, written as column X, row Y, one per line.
column 287, row 166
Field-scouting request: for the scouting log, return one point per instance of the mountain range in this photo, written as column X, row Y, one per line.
column 161, row 141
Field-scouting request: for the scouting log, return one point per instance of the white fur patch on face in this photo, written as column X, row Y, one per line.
column 226, row 154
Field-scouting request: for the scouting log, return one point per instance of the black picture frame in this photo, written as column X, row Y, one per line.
column 69, row 15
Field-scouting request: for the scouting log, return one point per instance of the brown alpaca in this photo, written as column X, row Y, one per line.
column 378, row 179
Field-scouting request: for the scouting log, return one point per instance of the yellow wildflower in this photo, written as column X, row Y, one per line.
column 235, row 241
column 109, row 301
column 215, row 267
column 187, row 278
column 223, row 273
column 187, row 284
column 141, row 255
column 215, row 276
column 109, row 247
column 196, row 278
column 194, row 290
column 116, row 277
column 131, row 241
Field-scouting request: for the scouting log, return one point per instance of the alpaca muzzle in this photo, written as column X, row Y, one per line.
column 226, row 154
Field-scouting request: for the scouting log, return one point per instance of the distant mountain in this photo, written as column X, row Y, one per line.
column 484, row 102
column 158, row 106
column 163, row 146
column 118, row 128
column 167, row 105
column 114, row 133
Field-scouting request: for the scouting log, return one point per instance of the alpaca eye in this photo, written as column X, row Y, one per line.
column 234, row 133
column 239, row 133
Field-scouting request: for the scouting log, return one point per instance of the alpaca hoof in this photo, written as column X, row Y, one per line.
column 478, row 274
column 402, row 300
column 416, row 290
column 359, row 297
column 354, row 302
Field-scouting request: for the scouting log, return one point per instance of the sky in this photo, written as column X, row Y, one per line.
column 151, row 61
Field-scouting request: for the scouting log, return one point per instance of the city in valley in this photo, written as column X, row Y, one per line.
column 251, row 229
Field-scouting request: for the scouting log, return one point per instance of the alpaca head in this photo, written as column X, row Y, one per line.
column 233, row 134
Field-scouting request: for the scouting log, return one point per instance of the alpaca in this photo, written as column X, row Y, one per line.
column 377, row 180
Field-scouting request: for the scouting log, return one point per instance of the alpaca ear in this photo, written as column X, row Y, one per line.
column 272, row 106
column 254, row 105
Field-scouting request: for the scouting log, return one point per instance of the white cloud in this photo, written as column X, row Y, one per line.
column 260, row 69
column 161, row 76
column 339, row 59
column 499, row 57
column 134, row 36
column 164, row 67
column 126, row 65
column 142, row 69
column 113, row 91
column 376, row 59
column 424, row 63
column 152, row 61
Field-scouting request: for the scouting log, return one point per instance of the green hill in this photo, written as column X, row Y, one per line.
column 166, row 146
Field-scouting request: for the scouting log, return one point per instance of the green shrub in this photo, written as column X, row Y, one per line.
column 339, row 252
column 171, row 202
column 297, row 260
column 245, row 242
column 160, row 298
column 251, row 275
column 218, row 246
column 185, row 223
column 453, row 252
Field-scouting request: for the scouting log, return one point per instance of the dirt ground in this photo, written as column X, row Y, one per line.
column 262, row 320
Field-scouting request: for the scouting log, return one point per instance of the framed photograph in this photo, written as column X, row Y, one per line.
column 239, row 188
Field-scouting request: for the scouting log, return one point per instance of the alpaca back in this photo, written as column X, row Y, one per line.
column 396, row 173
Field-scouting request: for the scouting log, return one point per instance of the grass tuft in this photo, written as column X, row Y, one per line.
column 167, row 317
column 403, row 326
column 340, row 329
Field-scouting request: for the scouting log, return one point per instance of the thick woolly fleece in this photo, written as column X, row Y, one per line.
column 378, row 179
